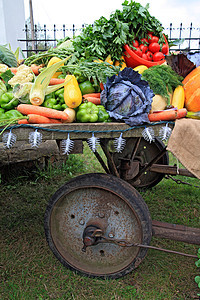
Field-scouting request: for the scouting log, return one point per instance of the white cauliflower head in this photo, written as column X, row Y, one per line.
column 24, row 74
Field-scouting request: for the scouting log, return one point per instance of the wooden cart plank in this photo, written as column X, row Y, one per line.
column 82, row 130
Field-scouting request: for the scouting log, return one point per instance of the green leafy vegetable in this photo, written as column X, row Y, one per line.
column 7, row 57
column 95, row 71
column 108, row 36
column 162, row 80
column 6, row 76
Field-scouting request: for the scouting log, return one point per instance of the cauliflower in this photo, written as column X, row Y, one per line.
column 24, row 74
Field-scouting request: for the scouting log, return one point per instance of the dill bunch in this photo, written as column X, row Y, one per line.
column 162, row 80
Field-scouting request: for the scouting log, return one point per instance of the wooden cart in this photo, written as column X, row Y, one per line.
column 98, row 224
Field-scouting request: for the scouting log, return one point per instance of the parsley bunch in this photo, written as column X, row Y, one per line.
column 108, row 36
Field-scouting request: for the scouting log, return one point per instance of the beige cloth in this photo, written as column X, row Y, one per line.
column 184, row 143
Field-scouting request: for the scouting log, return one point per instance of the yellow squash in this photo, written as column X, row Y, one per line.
column 52, row 61
column 72, row 92
column 178, row 97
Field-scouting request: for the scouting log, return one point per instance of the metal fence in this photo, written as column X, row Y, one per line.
column 44, row 37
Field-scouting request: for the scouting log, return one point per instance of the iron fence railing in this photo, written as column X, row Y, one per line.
column 44, row 38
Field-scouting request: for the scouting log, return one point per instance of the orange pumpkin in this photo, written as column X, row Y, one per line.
column 191, row 84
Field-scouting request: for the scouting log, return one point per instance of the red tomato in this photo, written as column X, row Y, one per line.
column 144, row 56
column 138, row 52
column 149, row 55
column 143, row 48
column 155, row 39
column 154, row 47
column 158, row 56
column 135, row 44
column 149, row 37
column 144, row 41
column 164, row 49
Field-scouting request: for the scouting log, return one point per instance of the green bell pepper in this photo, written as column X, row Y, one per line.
column 49, row 96
column 61, row 99
column 59, row 92
column 86, row 87
column 50, row 102
column 103, row 115
column 8, row 101
column 64, row 106
column 87, row 112
column 58, row 106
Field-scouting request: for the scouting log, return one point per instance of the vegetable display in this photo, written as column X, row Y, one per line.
column 94, row 78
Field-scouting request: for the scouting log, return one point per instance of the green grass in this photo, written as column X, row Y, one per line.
column 29, row 270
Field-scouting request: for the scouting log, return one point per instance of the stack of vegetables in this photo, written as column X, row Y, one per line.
column 65, row 84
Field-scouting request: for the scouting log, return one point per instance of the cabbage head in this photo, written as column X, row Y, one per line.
column 127, row 98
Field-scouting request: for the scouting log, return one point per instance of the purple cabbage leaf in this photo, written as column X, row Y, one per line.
column 127, row 98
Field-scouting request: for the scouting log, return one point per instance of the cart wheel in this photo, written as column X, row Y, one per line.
column 145, row 153
column 108, row 204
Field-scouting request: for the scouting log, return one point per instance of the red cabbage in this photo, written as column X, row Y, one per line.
column 128, row 98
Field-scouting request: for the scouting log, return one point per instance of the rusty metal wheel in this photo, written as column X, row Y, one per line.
column 103, row 203
column 144, row 154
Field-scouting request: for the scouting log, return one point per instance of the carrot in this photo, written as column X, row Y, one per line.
column 13, row 70
column 96, row 95
column 55, row 121
column 167, row 115
column 181, row 113
column 94, row 100
column 54, row 81
column 27, row 109
column 101, row 86
column 37, row 119
column 23, row 121
column 35, row 68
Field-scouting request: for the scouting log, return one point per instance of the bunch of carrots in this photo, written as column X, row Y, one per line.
column 41, row 115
